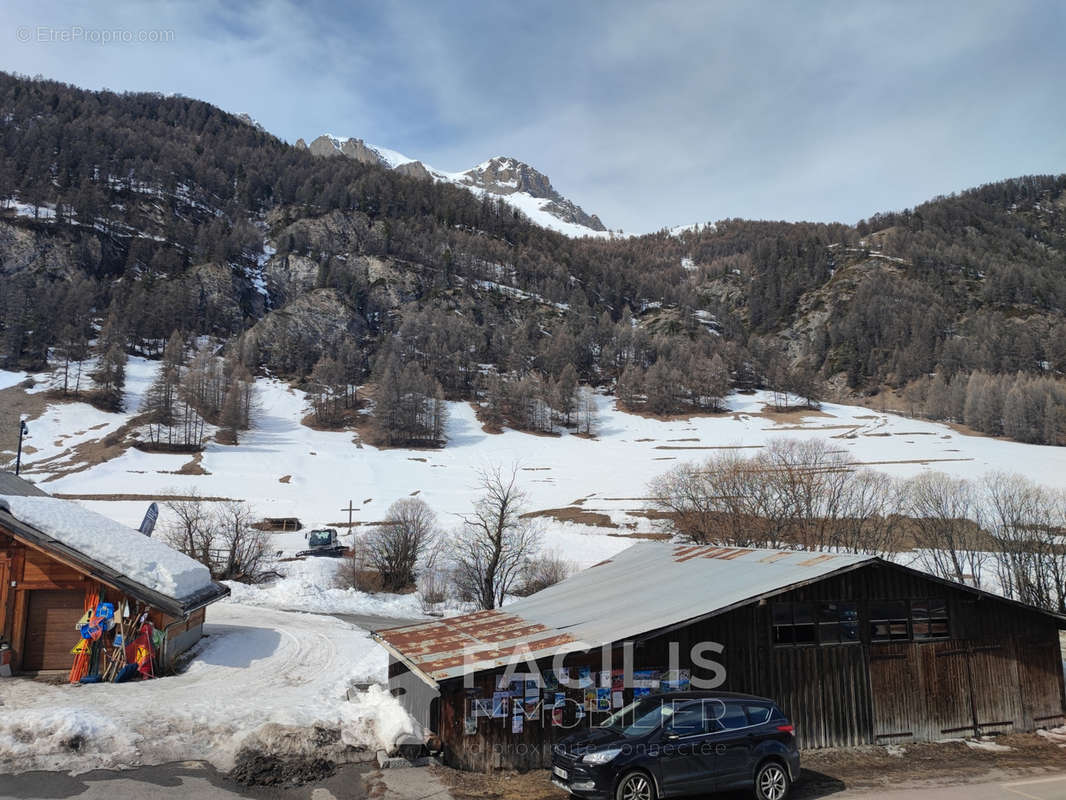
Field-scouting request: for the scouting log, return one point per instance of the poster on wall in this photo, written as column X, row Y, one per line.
column 557, row 709
column 471, row 726
column 590, row 700
column 675, row 680
column 603, row 699
column 605, row 680
column 584, row 677
column 532, row 694
column 500, row 704
column 564, row 676
column 640, row 692
column 551, row 681
column 646, row 679
column 482, row 706
column 516, row 719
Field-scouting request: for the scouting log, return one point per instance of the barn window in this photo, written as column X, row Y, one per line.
column 889, row 621
column 815, row 623
column 929, row 619
column 794, row 623
column 838, row 623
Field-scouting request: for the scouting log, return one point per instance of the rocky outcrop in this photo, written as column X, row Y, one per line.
column 324, row 146
column 312, row 323
column 414, row 169
column 504, row 176
column 355, row 149
column 335, row 232
column 22, row 248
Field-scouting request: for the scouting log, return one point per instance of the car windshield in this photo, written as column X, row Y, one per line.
column 318, row 538
column 640, row 717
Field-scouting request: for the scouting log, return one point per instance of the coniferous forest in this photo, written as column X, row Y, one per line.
column 138, row 224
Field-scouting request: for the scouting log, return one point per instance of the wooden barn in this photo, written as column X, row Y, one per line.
column 857, row 650
column 55, row 555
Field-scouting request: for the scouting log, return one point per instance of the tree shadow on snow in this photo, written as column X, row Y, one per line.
column 238, row 646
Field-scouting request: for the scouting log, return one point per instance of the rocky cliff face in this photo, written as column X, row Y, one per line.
column 25, row 249
column 505, row 176
column 316, row 321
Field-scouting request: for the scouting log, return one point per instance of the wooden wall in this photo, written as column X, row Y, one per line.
column 1000, row 670
column 33, row 569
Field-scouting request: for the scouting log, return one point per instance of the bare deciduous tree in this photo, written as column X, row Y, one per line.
column 191, row 531
column 945, row 516
column 495, row 542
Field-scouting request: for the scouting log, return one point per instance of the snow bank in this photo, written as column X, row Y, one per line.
column 147, row 561
column 255, row 672
column 310, row 586
column 376, row 718
column 9, row 379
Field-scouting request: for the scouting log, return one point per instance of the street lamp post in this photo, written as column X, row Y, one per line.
column 23, row 430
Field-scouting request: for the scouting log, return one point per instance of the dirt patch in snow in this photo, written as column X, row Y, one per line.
column 790, row 416
column 574, row 514
column 193, row 466
column 261, row 769
column 143, row 497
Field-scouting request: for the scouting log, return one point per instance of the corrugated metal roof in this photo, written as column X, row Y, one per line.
column 645, row 588
column 12, row 484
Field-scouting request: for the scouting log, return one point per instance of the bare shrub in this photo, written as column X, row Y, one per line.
column 397, row 546
column 544, row 571
column 432, row 588
column 243, row 549
column 354, row 572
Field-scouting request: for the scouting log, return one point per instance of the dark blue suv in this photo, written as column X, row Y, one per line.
column 679, row 744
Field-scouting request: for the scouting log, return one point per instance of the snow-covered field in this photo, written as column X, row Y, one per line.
column 255, row 673
column 283, row 468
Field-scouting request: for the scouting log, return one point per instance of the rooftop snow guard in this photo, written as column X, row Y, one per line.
column 645, row 590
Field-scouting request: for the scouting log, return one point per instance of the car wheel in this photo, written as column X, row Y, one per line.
column 772, row 782
column 635, row 786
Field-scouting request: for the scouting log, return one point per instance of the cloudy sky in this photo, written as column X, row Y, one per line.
column 648, row 114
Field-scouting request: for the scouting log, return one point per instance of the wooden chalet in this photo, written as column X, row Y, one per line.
column 48, row 575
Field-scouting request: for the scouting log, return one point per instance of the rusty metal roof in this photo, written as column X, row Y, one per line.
column 645, row 588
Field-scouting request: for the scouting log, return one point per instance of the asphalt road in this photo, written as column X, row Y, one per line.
column 195, row 781
column 1045, row 788
column 182, row 781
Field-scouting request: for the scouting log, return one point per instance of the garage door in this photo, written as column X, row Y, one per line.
column 50, row 620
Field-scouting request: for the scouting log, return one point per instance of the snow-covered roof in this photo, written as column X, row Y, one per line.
column 146, row 562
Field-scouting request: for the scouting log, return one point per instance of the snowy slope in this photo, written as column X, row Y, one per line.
column 607, row 475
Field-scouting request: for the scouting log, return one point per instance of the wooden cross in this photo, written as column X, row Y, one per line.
column 350, row 509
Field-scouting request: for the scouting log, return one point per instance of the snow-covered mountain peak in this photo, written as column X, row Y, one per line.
column 508, row 178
